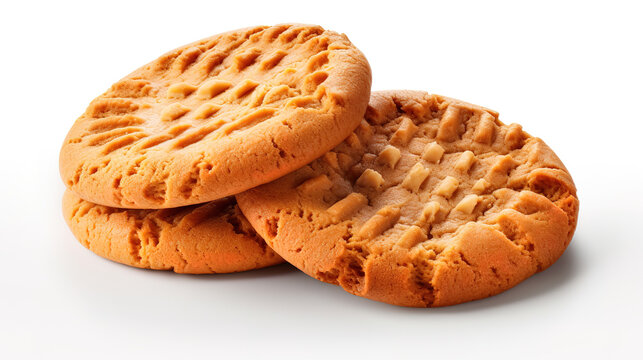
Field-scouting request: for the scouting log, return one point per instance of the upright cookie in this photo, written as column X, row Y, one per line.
column 430, row 202
column 216, row 117
column 199, row 239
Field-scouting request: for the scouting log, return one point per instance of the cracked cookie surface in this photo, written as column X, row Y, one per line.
column 200, row 239
column 216, row 117
column 431, row 201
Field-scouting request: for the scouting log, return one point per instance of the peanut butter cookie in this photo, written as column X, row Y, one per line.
column 216, row 117
column 430, row 202
column 199, row 239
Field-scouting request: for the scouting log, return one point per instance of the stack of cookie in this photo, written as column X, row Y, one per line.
column 263, row 144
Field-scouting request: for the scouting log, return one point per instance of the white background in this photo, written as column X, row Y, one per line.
column 570, row 73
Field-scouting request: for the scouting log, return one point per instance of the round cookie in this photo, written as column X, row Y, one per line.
column 216, row 117
column 200, row 239
column 430, row 202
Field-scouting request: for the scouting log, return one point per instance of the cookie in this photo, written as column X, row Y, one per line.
column 199, row 239
column 216, row 117
column 430, row 202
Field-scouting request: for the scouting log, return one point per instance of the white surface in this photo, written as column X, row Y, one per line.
column 569, row 73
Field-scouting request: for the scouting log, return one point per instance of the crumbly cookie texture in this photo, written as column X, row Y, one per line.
column 216, row 117
column 430, row 202
column 201, row 239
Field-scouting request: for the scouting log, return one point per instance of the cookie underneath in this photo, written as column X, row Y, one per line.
column 430, row 202
column 201, row 239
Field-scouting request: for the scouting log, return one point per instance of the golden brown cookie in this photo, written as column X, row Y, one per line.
column 216, row 117
column 199, row 239
column 430, row 202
